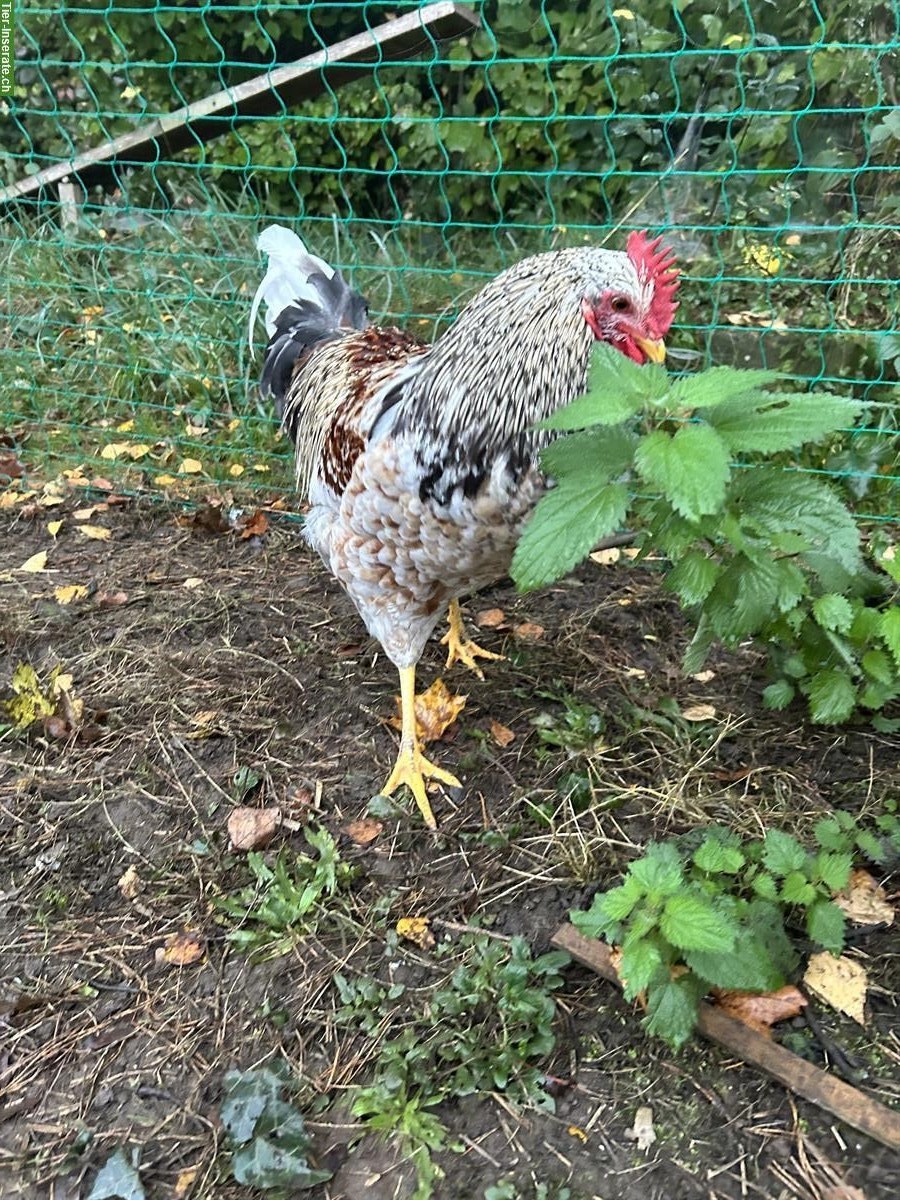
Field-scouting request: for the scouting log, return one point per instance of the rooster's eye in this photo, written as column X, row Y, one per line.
column 620, row 304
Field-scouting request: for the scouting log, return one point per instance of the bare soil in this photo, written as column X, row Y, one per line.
column 231, row 653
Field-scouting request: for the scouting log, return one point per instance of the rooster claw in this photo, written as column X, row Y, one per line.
column 461, row 648
column 412, row 768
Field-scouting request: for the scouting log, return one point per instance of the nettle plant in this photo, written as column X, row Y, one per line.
column 719, row 913
column 755, row 550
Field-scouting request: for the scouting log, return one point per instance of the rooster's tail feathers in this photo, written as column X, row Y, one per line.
column 306, row 301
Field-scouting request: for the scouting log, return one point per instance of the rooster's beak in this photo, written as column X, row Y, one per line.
column 655, row 351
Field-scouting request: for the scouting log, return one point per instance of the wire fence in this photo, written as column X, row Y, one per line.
column 762, row 139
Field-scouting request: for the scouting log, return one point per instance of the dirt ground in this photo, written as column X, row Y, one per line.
column 227, row 653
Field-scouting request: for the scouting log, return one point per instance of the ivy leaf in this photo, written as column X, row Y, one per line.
column 825, row 925
column 719, row 385
column 782, row 421
column 832, row 697
column 833, row 612
column 567, row 523
column 691, row 923
column 639, row 965
column 118, row 1179
column 690, row 468
column 693, row 577
column 782, row 853
column 264, row 1164
column 672, row 1008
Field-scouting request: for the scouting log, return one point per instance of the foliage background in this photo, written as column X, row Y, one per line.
column 761, row 137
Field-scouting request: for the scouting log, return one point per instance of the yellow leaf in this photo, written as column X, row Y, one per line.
column 733, row 39
column 624, row 14
column 235, row 470
column 70, row 592
column 138, row 450
column 182, row 949
column 190, row 466
column 840, row 982
column 29, row 703
column 53, row 527
column 260, row 467
column 125, row 427
column 129, row 93
column 8, row 499
column 36, row 563
column 415, row 929
column 185, row 1182
column 129, row 327
column 233, row 424
column 114, row 450
column 166, row 480
column 96, row 532
column 436, row 710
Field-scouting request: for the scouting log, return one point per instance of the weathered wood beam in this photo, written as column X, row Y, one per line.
column 265, row 94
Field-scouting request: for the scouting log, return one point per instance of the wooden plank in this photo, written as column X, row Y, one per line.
column 261, row 96
column 846, row 1103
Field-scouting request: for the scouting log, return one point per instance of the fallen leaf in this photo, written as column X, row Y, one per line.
column 501, row 735
column 253, row 828
column 139, row 450
column 364, row 831
column 10, row 467
column 415, row 929
column 192, row 581
column 235, row 470
column 166, row 480
column 698, row 712
column 70, row 592
column 606, row 558
column 11, row 498
column 181, row 949
column 114, row 450
column 126, row 426
column 436, row 710
column 130, row 883
column 864, row 901
column 53, row 527
column 843, row 1191
column 111, row 599
column 760, row 1011
column 36, row 563
column 491, row 618
column 185, row 1182
column 528, row 631
column 635, row 673
column 576, row 1132
column 190, row 466
column 840, row 982
column 85, row 514
column 642, row 1132
column 704, row 676
column 101, row 484
column 97, row 533
column 256, row 525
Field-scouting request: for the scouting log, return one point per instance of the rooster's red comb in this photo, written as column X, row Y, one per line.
column 656, row 262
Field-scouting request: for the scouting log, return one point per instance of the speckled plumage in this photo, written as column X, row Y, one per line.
column 420, row 464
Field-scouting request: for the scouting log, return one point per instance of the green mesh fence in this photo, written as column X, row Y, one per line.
column 762, row 138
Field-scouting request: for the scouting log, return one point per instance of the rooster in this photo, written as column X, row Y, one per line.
column 421, row 463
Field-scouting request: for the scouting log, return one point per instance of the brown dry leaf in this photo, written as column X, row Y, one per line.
column 36, row 563
column 528, row 631
column 501, row 735
column 185, row 1182
column 85, row 514
column 181, row 949
column 130, row 883
column 865, row 901
column 53, row 527
column 840, row 982
column 97, row 533
column 761, row 1012
column 491, row 618
column 71, row 591
column 111, row 599
column 253, row 828
column 10, row 467
column 101, row 484
column 415, row 929
column 698, row 712
column 436, row 710
column 364, row 831
column 256, row 525
column 642, row 1132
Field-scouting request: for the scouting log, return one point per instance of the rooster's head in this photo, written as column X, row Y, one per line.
column 633, row 307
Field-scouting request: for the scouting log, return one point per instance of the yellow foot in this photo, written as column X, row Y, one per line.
column 413, row 768
column 461, row 648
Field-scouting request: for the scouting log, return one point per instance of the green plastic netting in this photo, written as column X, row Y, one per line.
column 763, row 138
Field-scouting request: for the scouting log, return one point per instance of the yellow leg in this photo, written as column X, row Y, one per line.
column 412, row 767
column 461, row 648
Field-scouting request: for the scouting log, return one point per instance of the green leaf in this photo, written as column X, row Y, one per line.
column 715, row 857
column 265, row 1164
column 118, row 1178
column 765, row 886
column 693, row 577
column 640, row 964
column 719, row 385
column 778, row 695
column 872, row 847
column 567, row 523
column 833, row 869
column 660, row 871
column 782, row 421
column 782, row 853
column 690, row 469
column 832, row 697
column 617, row 389
column 748, row 966
column 672, row 1007
column 247, row 1093
column 825, row 925
column 890, row 631
column 830, row 835
column 833, row 612
column 692, row 923
column 599, row 452
column 749, row 593
column 767, row 923
column 878, row 666
column 797, row 889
